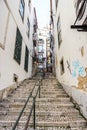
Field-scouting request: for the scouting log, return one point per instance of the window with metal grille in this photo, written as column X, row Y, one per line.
column 56, row 4
column 28, row 27
column 26, row 59
column 29, row 4
column 22, row 8
column 62, row 66
column 18, row 46
column 59, row 31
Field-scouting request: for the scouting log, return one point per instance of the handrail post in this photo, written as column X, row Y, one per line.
column 39, row 88
column 41, row 82
column 39, row 91
column 34, row 115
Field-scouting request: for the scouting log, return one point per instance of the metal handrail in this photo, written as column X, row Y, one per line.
column 17, row 121
column 32, row 108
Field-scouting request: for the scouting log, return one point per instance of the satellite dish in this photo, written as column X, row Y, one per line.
column 80, row 8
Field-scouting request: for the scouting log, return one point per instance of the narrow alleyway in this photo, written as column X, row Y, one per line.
column 54, row 110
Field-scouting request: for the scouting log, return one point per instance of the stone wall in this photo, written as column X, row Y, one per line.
column 5, row 92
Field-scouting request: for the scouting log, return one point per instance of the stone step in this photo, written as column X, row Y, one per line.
column 46, row 104
column 50, row 85
column 55, row 100
column 39, row 105
column 46, row 88
column 61, row 121
column 71, row 123
column 51, row 91
column 45, row 128
column 73, row 113
column 51, row 88
column 45, row 110
column 19, row 95
column 42, row 95
column 49, row 81
column 54, row 96
column 54, row 123
column 53, row 110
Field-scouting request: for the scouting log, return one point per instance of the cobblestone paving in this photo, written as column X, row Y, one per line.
column 54, row 111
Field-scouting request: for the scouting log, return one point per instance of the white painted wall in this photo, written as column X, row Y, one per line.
column 10, row 20
column 70, row 50
column 3, row 22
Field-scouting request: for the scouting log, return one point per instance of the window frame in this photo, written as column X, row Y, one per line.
column 18, row 47
column 28, row 27
column 59, row 32
column 62, row 69
column 29, row 5
column 56, row 4
column 26, row 59
column 22, row 5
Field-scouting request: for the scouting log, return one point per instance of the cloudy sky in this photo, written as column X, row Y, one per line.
column 43, row 12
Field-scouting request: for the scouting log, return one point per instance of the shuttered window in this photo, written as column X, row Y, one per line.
column 62, row 66
column 26, row 59
column 18, row 46
column 22, row 8
column 59, row 32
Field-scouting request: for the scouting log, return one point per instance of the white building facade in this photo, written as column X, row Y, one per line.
column 43, row 34
column 71, row 50
column 16, row 28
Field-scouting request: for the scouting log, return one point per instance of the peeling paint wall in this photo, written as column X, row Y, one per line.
column 74, row 50
column 82, row 81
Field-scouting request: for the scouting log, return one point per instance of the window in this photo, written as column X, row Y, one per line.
column 28, row 27
column 59, row 31
column 59, row 38
column 29, row 4
column 18, row 46
column 56, row 3
column 26, row 59
column 21, row 8
column 62, row 66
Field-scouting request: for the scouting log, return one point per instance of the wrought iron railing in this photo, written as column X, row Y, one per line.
column 32, row 108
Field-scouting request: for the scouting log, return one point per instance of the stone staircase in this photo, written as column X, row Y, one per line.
column 54, row 111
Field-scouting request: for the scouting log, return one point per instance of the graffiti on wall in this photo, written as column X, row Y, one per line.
column 81, row 73
column 77, row 69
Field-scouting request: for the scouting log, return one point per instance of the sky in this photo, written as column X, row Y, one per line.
column 43, row 12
